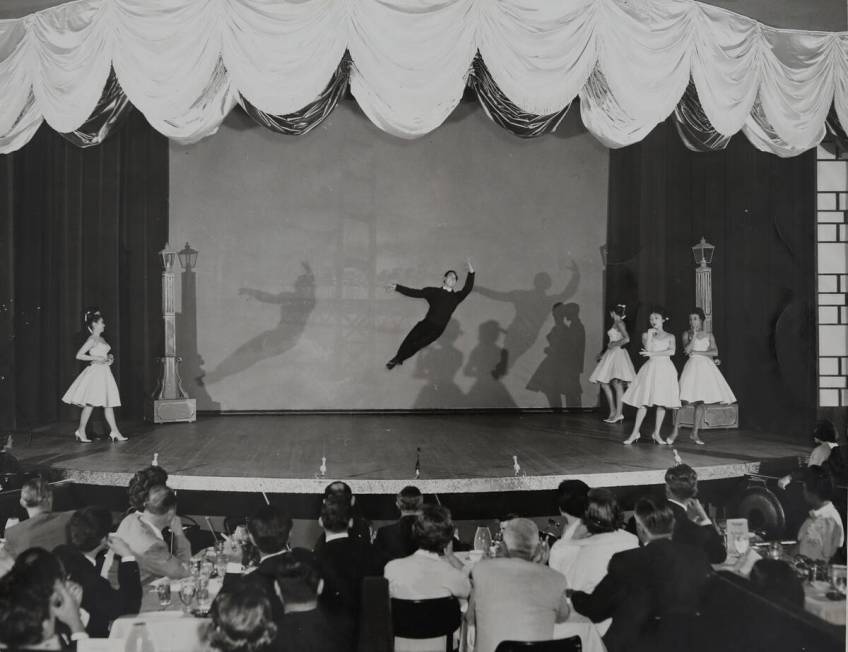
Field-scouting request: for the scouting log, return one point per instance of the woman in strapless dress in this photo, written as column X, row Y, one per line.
column 701, row 383
column 614, row 367
column 95, row 386
column 656, row 383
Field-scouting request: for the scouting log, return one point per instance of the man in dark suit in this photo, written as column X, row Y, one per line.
column 691, row 523
column 269, row 530
column 88, row 530
column 343, row 559
column 395, row 541
column 44, row 527
column 360, row 528
column 652, row 593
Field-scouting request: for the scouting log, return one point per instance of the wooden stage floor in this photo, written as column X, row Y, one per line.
column 375, row 454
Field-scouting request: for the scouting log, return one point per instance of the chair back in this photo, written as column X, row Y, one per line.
column 425, row 618
column 571, row 644
column 375, row 631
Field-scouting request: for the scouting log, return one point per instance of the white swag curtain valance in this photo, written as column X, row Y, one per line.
column 186, row 63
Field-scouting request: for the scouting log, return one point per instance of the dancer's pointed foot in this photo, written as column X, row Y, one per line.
column 117, row 436
column 81, row 438
column 632, row 439
column 659, row 441
column 391, row 364
column 694, row 437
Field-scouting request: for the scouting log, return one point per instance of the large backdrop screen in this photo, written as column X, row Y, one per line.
column 298, row 237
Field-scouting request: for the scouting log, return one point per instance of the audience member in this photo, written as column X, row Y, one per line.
column 516, row 597
column 343, row 560
column 44, row 527
column 776, row 580
column 691, row 523
column 395, row 541
column 241, row 620
column 88, row 530
column 306, row 625
column 142, row 531
column 268, row 530
column 822, row 534
column 824, row 440
column 652, row 593
column 39, row 609
column 432, row 571
column 584, row 560
column 360, row 528
column 571, row 501
column 140, row 484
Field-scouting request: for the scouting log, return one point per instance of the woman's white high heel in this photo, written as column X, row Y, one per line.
column 116, row 436
column 81, row 438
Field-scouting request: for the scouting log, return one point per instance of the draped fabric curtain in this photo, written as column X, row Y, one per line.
column 185, row 64
column 80, row 228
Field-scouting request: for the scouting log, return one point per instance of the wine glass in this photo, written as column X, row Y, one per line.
column 163, row 592
column 838, row 574
column 187, row 592
column 483, row 540
column 204, row 600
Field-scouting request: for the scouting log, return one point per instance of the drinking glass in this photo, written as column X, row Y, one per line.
column 482, row 540
column 163, row 592
column 187, row 591
column 775, row 550
column 204, row 600
column 838, row 574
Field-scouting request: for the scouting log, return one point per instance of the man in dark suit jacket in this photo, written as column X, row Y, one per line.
column 88, row 530
column 44, row 528
column 395, row 541
column 652, row 593
column 691, row 523
column 360, row 528
column 343, row 559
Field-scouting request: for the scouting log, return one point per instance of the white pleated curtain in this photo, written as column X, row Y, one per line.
column 186, row 63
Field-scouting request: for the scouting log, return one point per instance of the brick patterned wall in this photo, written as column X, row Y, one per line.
column 832, row 263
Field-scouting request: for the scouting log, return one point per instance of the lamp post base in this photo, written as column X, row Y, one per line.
column 715, row 416
column 171, row 410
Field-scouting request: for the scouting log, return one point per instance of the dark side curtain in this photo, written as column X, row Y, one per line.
column 756, row 209
column 80, row 227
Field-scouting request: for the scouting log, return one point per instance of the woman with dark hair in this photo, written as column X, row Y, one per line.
column 824, row 439
column 140, row 485
column 656, row 383
column 35, row 599
column 95, row 386
column 701, row 383
column 241, row 620
column 776, row 580
column 614, row 365
column 442, row 302
column 432, row 571
column 584, row 560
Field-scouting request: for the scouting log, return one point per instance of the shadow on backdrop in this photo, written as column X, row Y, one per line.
column 531, row 310
column 438, row 364
column 191, row 365
column 295, row 308
column 559, row 372
column 487, row 364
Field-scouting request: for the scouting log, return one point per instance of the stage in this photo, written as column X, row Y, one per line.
column 376, row 454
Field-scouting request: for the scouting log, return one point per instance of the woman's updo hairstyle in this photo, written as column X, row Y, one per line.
column 90, row 317
column 619, row 309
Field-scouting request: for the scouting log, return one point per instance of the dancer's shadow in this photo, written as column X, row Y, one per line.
column 531, row 309
column 295, row 308
column 438, row 364
column 488, row 363
column 559, row 372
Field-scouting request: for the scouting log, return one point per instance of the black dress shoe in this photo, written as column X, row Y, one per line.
column 391, row 364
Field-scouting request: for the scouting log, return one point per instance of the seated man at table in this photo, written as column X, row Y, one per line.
column 516, row 597
column 307, row 626
column 395, row 541
column 142, row 532
column 822, row 534
column 360, row 528
column 44, row 528
column 88, row 530
column 652, row 593
column 691, row 523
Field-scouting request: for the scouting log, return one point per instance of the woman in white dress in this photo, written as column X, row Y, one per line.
column 701, row 382
column 95, row 386
column 614, row 366
column 656, row 383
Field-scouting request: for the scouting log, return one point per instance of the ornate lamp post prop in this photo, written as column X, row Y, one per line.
column 715, row 416
column 170, row 403
column 703, row 252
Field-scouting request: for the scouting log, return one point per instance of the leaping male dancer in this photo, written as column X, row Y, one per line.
column 443, row 301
